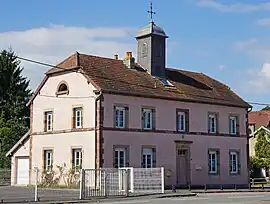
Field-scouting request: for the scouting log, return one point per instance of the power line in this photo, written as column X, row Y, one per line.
column 76, row 97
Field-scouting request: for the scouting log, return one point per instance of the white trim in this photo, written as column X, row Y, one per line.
column 116, row 154
column 233, row 118
column 212, row 116
column 49, row 123
column 147, row 152
column 236, row 162
column 145, row 119
column 213, row 153
column 78, row 115
column 262, row 127
column 179, row 115
column 117, row 120
column 48, row 159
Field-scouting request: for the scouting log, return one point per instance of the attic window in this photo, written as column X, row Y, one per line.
column 166, row 82
column 62, row 89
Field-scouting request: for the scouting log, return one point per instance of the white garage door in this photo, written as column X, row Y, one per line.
column 23, row 171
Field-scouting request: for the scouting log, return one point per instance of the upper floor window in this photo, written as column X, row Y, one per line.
column 119, row 117
column 48, row 160
column 77, row 117
column 147, row 119
column 233, row 125
column 77, row 159
column 212, row 123
column 62, row 88
column 182, row 120
column 48, row 121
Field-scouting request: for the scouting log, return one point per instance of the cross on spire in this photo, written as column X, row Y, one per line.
column 151, row 12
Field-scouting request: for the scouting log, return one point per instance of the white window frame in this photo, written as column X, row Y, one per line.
column 146, row 118
column 216, row 160
column 180, row 115
column 78, row 117
column 49, row 120
column 48, row 160
column 212, row 116
column 232, row 154
column 77, row 161
column 117, row 154
column 117, row 119
column 147, row 152
column 233, row 118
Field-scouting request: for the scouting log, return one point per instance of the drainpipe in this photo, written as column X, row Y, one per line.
column 97, row 98
column 247, row 146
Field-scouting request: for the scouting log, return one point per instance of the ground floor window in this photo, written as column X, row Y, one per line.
column 77, row 159
column 213, row 161
column 147, row 158
column 48, row 160
column 119, row 157
column 234, row 162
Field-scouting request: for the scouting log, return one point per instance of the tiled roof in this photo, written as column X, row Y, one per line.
column 112, row 75
column 259, row 118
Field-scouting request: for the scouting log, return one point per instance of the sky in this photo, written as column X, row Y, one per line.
column 225, row 39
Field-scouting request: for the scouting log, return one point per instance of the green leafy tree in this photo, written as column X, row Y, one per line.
column 14, row 94
column 266, row 108
column 262, row 151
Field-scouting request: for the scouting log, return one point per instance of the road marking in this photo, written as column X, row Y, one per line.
column 189, row 198
column 243, row 197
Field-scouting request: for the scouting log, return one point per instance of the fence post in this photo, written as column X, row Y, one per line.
column 127, row 181
column 82, row 184
column 36, row 184
column 162, row 180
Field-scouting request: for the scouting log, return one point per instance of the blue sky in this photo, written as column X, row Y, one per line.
column 226, row 39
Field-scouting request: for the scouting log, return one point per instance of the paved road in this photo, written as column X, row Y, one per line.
column 225, row 198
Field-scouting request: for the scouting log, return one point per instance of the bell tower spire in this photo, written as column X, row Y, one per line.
column 151, row 12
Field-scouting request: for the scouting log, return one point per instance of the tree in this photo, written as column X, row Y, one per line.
column 14, row 94
column 262, row 151
column 266, row 108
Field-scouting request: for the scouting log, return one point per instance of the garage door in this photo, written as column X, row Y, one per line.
column 23, row 171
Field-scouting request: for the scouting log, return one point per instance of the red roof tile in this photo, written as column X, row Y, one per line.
column 259, row 118
column 111, row 75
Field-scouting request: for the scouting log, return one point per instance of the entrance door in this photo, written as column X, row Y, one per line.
column 23, row 171
column 182, row 166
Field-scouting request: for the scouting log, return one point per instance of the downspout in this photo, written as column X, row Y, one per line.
column 247, row 146
column 97, row 127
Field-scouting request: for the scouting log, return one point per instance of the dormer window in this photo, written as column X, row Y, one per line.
column 62, row 89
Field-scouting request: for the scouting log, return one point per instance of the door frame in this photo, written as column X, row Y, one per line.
column 185, row 145
column 16, row 169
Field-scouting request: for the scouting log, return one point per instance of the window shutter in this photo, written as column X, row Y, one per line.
column 73, row 118
column 153, row 118
column 218, row 162
column 177, row 121
column 237, row 126
column 142, row 166
column 52, row 120
column 154, row 157
column 209, row 161
column 230, row 162
column 142, row 118
column 217, row 125
column 81, row 117
column 44, row 160
column 127, row 156
column 73, row 158
column 114, row 116
column 238, row 162
column 113, row 158
column 45, row 122
column 209, row 122
column 126, row 117
column 187, row 121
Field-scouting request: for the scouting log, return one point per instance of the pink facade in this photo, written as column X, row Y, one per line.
column 167, row 141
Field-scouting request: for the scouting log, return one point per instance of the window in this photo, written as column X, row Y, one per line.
column 234, row 162
column 62, row 89
column 48, row 124
column 147, row 158
column 181, row 121
column 147, row 119
column 119, row 157
column 144, row 50
column 77, row 118
column 120, row 117
column 233, row 125
column 48, row 160
column 213, row 162
column 212, row 123
column 77, row 159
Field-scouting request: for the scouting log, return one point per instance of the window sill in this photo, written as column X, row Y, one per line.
column 213, row 173
column 62, row 93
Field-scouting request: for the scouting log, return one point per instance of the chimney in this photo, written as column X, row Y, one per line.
column 129, row 61
column 116, row 57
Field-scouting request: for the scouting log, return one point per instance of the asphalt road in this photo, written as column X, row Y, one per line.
column 225, row 198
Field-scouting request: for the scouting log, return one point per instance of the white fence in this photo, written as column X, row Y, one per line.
column 121, row 182
column 89, row 183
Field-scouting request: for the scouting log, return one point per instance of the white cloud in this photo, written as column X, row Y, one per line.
column 54, row 43
column 236, row 7
column 257, row 48
column 264, row 22
column 260, row 81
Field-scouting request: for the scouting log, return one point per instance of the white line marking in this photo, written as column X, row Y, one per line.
column 241, row 197
column 179, row 198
